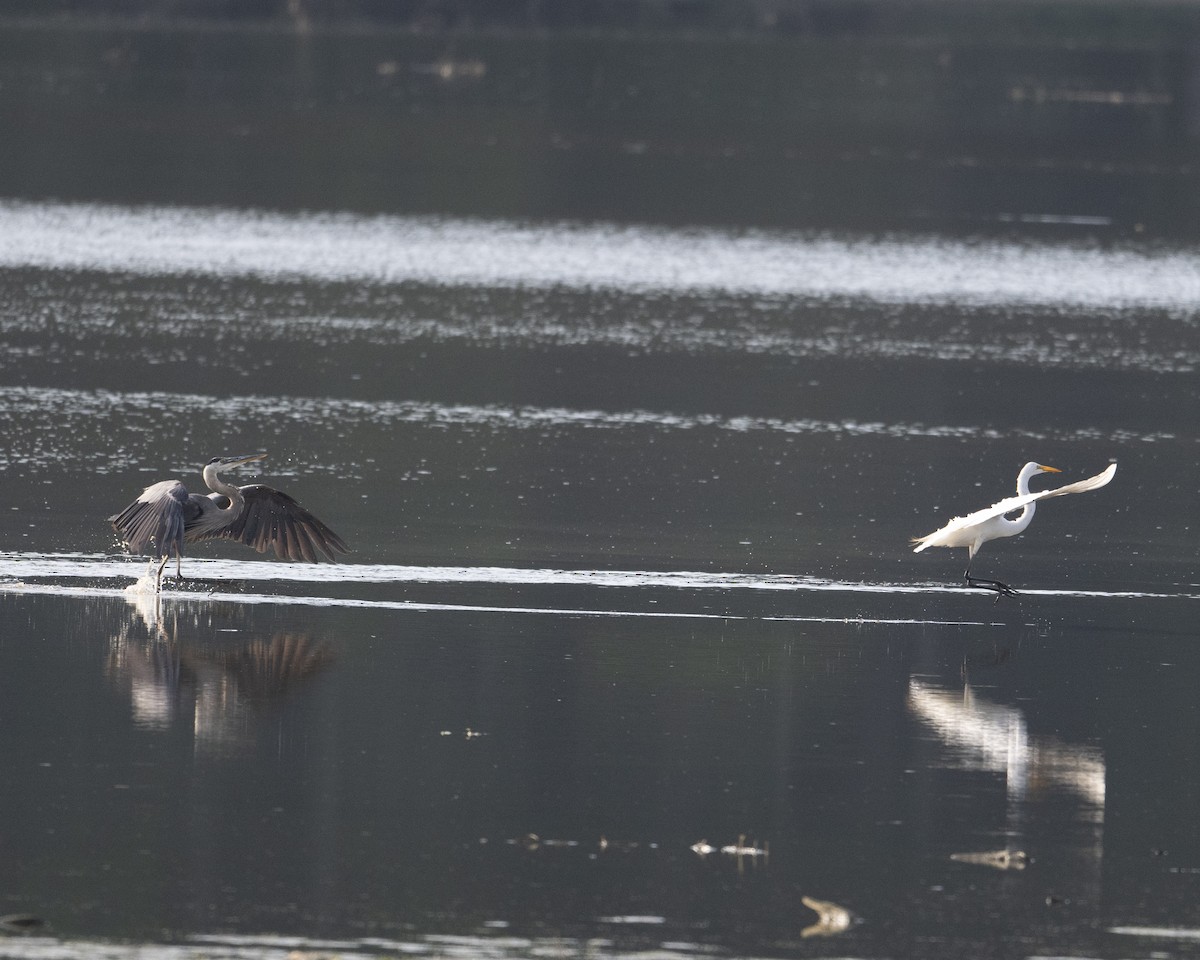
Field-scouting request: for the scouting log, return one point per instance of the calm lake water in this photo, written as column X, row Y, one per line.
column 631, row 656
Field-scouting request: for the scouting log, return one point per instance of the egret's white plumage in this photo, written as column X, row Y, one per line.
column 991, row 523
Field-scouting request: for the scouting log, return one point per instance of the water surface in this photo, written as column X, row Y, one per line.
column 631, row 655
column 642, row 588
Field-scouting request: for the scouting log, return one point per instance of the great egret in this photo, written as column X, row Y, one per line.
column 165, row 516
column 990, row 523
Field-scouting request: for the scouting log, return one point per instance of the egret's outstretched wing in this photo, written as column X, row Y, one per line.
column 271, row 518
column 1079, row 486
column 158, row 516
column 956, row 533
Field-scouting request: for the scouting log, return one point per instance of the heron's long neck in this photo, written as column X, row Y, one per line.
column 1025, row 517
column 217, row 485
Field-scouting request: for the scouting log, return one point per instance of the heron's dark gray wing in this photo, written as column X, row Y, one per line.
column 154, row 522
column 270, row 518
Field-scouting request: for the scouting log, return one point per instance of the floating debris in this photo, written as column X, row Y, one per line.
column 740, row 849
column 468, row 734
column 449, row 70
column 997, row 859
column 831, row 918
column 21, row 923
column 531, row 841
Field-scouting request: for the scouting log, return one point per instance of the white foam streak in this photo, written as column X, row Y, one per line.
column 454, row 252
column 22, row 566
column 98, row 566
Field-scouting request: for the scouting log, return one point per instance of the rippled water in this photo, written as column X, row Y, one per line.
column 630, row 580
column 632, row 655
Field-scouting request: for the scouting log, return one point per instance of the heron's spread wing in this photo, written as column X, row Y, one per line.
column 270, row 518
column 956, row 533
column 157, row 517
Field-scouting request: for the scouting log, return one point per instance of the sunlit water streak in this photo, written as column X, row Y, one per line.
column 22, row 566
column 1165, row 933
column 31, row 412
column 152, row 320
column 387, row 249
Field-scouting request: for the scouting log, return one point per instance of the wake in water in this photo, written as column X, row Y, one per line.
column 19, row 568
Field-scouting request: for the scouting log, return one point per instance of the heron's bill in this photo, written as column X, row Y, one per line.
column 237, row 461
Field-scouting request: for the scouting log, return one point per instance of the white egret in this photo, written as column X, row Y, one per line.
column 990, row 523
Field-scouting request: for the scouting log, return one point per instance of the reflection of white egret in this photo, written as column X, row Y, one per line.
column 993, row 737
column 990, row 523
column 1039, row 773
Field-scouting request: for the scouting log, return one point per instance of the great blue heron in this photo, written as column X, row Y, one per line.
column 990, row 523
column 165, row 516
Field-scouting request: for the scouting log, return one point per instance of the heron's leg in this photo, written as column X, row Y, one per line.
column 178, row 559
column 158, row 576
column 1002, row 589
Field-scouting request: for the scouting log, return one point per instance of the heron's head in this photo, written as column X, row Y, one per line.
column 228, row 463
column 1030, row 470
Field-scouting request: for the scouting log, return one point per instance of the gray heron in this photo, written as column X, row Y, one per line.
column 165, row 516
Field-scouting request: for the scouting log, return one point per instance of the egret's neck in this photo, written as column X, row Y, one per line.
column 217, row 485
column 1023, row 479
column 1026, row 515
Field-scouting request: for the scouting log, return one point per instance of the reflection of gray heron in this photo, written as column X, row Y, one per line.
column 180, row 672
column 990, row 523
column 165, row 516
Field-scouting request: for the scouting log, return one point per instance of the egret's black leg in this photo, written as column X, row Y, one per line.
column 1001, row 589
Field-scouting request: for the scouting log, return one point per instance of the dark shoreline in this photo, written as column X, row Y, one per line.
column 1118, row 23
